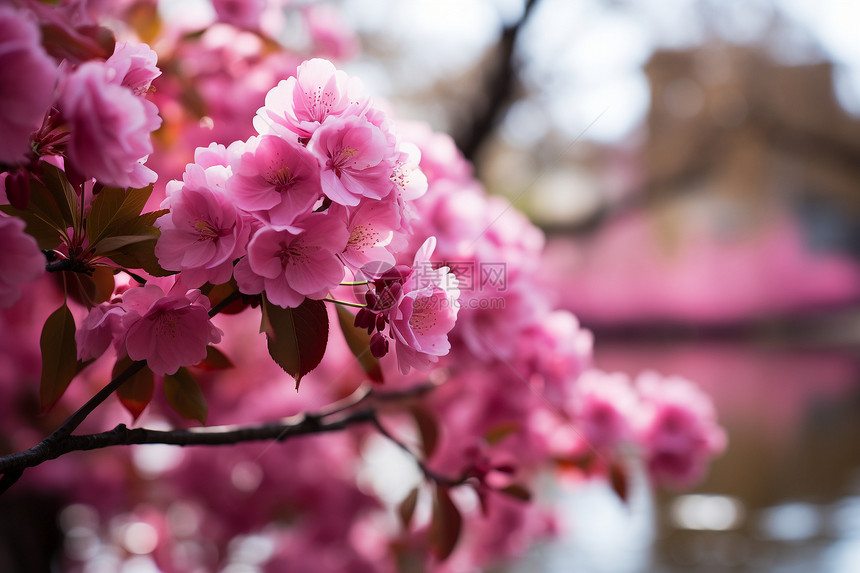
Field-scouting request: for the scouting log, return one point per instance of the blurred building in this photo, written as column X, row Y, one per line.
column 740, row 204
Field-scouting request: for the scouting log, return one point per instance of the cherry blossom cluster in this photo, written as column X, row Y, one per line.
column 669, row 421
column 324, row 188
column 320, row 198
column 167, row 330
column 88, row 112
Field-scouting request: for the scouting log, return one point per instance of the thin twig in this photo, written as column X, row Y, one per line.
column 428, row 473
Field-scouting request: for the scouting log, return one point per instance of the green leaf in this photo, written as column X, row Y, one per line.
column 46, row 234
column 112, row 211
column 62, row 192
column 46, row 220
column 140, row 256
column 446, row 525
column 136, row 392
column 215, row 360
column 428, row 427
column 59, row 356
column 517, row 491
column 359, row 344
column 406, row 509
column 184, row 395
column 297, row 337
column 117, row 242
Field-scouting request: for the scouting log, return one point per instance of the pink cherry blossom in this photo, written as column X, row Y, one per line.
column 557, row 348
column 603, row 409
column 101, row 326
column 133, row 66
column 676, row 428
column 295, row 262
column 110, row 127
column 168, row 331
column 27, row 79
column 274, row 179
column 426, row 312
column 21, row 261
column 204, row 232
column 356, row 158
column 371, row 230
column 240, row 13
column 329, row 31
column 300, row 104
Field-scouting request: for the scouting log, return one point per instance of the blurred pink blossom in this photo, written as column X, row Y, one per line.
column 240, row 13
column 27, row 79
column 603, row 409
column 21, row 260
column 330, row 34
column 676, row 428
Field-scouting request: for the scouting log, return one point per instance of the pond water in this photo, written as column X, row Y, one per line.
column 785, row 495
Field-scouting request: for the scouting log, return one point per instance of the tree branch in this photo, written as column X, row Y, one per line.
column 499, row 87
column 61, row 441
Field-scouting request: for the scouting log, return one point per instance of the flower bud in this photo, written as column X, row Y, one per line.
column 18, row 189
column 378, row 345
column 364, row 318
column 371, row 299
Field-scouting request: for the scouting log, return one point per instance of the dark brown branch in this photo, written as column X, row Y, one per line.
column 70, row 265
column 499, row 87
column 44, row 450
column 61, row 441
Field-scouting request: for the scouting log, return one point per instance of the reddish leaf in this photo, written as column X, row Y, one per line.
column 446, row 525
column 517, row 491
column 297, row 337
column 359, row 344
column 136, row 392
column 406, row 509
column 428, row 427
column 217, row 293
column 59, row 356
column 77, row 44
column 215, row 360
column 89, row 290
column 619, row 482
column 184, row 395
column 499, row 432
